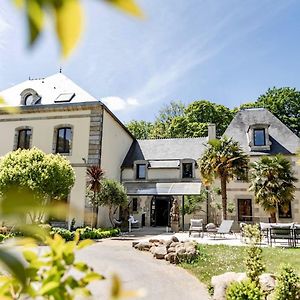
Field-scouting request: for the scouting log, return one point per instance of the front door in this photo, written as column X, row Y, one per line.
column 160, row 210
column 245, row 210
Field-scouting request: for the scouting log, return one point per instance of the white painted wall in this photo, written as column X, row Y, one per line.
column 115, row 145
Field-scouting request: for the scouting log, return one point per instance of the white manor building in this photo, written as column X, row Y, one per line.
column 153, row 171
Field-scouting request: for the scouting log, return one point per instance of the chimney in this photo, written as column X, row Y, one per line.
column 211, row 131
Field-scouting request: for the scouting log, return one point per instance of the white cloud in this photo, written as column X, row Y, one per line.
column 115, row 103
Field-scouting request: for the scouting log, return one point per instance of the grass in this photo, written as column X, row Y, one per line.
column 218, row 259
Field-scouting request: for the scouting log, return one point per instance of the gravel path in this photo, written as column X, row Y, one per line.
column 137, row 269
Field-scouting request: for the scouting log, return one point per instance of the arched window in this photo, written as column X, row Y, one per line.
column 62, row 143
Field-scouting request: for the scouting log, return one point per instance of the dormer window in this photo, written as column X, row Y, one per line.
column 30, row 97
column 187, row 170
column 141, row 171
column 258, row 136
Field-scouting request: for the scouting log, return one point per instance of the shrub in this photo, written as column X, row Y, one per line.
column 288, row 284
column 244, row 290
column 66, row 234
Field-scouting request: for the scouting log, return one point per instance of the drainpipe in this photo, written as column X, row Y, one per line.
column 182, row 204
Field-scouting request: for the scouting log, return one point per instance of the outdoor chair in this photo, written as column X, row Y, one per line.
column 133, row 223
column 265, row 230
column 282, row 232
column 225, row 228
column 196, row 225
column 296, row 230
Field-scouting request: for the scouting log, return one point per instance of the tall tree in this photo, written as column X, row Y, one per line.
column 204, row 111
column 272, row 181
column 94, row 176
column 140, row 129
column 223, row 159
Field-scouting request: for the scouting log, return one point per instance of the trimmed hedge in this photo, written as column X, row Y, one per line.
column 86, row 233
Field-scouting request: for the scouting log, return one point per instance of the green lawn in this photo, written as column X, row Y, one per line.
column 218, row 259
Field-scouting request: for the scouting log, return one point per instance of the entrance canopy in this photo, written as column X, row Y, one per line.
column 175, row 189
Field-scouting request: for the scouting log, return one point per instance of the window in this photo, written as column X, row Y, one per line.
column 187, row 170
column 285, row 212
column 63, row 140
column 134, row 205
column 259, row 137
column 30, row 97
column 141, row 171
column 24, row 137
column 244, row 210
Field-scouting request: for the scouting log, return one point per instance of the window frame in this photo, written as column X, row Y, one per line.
column 183, row 174
column 18, row 130
column 287, row 215
column 56, row 139
column 255, row 130
column 138, row 175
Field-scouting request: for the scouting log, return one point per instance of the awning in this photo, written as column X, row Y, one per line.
column 175, row 189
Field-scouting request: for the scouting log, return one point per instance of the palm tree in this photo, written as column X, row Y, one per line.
column 95, row 175
column 272, row 181
column 223, row 159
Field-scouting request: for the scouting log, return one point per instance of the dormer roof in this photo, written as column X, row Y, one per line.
column 282, row 139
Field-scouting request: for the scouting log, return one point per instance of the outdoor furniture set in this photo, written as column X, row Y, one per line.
column 211, row 229
column 273, row 232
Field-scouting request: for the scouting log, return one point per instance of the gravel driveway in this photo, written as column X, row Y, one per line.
column 137, row 269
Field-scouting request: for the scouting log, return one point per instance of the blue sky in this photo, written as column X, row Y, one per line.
column 226, row 51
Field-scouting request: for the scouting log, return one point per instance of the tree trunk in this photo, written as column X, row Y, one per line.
column 224, row 197
column 273, row 217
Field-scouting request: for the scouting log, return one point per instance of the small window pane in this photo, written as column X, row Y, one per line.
column 134, row 205
column 63, row 143
column 187, row 170
column 141, row 171
column 24, row 139
column 285, row 212
column 259, row 137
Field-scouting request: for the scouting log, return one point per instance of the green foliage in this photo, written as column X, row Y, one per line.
column 140, row 129
column 193, row 204
column 67, row 18
column 47, row 175
column 254, row 265
column 244, row 290
column 85, row 233
column 204, row 112
column 272, row 181
column 223, row 159
column 288, row 284
column 252, row 233
column 49, row 275
column 113, row 195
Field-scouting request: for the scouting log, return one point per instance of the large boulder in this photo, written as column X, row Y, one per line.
column 154, row 241
column 267, row 282
column 171, row 249
column 221, row 282
column 160, row 252
column 134, row 243
column 144, row 246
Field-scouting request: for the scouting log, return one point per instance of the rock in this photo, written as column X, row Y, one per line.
column 160, row 252
column 144, row 246
column 173, row 258
column 168, row 243
column 180, row 251
column 221, row 282
column 162, row 242
column 152, row 249
column 167, row 256
column 267, row 282
column 189, row 244
column 154, row 241
column 174, row 239
column 134, row 243
column 171, row 249
column 174, row 244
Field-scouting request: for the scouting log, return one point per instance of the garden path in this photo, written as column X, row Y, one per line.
column 138, row 270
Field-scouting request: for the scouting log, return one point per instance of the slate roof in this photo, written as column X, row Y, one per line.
column 49, row 88
column 165, row 149
column 283, row 140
